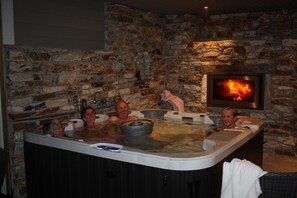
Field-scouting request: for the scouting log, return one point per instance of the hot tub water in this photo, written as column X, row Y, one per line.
column 169, row 135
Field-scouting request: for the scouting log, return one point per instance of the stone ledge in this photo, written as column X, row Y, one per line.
column 41, row 115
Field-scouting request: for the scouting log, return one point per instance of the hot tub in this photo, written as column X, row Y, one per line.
column 187, row 166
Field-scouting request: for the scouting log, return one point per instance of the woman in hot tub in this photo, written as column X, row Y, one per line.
column 89, row 118
column 91, row 131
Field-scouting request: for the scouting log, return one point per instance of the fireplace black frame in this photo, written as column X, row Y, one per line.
column 258, row 102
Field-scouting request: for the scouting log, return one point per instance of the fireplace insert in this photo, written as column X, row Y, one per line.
column 240, row 91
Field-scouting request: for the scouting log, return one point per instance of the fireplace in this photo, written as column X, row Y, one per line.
column 240, row 91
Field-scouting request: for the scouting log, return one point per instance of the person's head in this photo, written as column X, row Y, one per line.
column 89, row 117
column 122, row 109
column 53, row 128
column 229, row 116
column 165, row 95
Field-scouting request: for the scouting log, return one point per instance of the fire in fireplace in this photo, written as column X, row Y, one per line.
column 240, row 91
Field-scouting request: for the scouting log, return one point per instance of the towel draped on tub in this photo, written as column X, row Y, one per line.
column 241, row 179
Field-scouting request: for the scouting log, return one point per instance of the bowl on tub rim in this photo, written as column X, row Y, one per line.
column 137, row 127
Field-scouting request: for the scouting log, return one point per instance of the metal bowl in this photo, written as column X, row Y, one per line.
column 154, row 114
column 139, row 127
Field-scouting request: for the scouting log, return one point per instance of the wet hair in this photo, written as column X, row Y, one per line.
column 50, row 126
column 83, row 113
column 235, row 113
column 120, row 101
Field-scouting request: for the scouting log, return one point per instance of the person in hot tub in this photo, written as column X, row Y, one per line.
column 176, row 102
column 89, row 118
column 122, row 110
column 229, row 119
column 53, row 128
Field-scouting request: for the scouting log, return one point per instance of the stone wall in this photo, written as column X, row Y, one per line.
column 137, row 38
column 237, row 44
column 146, row 53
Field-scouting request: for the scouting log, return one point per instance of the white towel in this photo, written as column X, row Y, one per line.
column 241, row 179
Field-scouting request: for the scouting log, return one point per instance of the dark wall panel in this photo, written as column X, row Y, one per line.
column 72, row 24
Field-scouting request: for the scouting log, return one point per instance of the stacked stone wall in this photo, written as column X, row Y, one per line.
column 262, row 43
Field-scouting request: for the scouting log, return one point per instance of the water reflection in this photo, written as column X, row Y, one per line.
column 103, row 133
column 168, row 136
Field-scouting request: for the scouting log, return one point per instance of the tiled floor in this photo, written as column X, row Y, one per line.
column 279, row 163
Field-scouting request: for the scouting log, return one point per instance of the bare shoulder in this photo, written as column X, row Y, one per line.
column 113, row 118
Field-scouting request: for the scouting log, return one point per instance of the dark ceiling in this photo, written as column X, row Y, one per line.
column 214, row 6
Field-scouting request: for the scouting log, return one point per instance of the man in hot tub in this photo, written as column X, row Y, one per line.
column 122, row 110
column 229, row 119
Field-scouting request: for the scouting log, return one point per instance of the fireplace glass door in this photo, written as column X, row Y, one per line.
column 240, row 91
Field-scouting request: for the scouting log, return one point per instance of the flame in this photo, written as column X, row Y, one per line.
column 237, row 89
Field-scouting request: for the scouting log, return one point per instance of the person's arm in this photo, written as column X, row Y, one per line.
column 113, row 119
column 133, row 117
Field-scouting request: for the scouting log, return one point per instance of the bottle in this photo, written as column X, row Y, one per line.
column 83, row 106
column 79, row 104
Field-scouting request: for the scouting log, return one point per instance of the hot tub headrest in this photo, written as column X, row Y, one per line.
column 154, row 113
